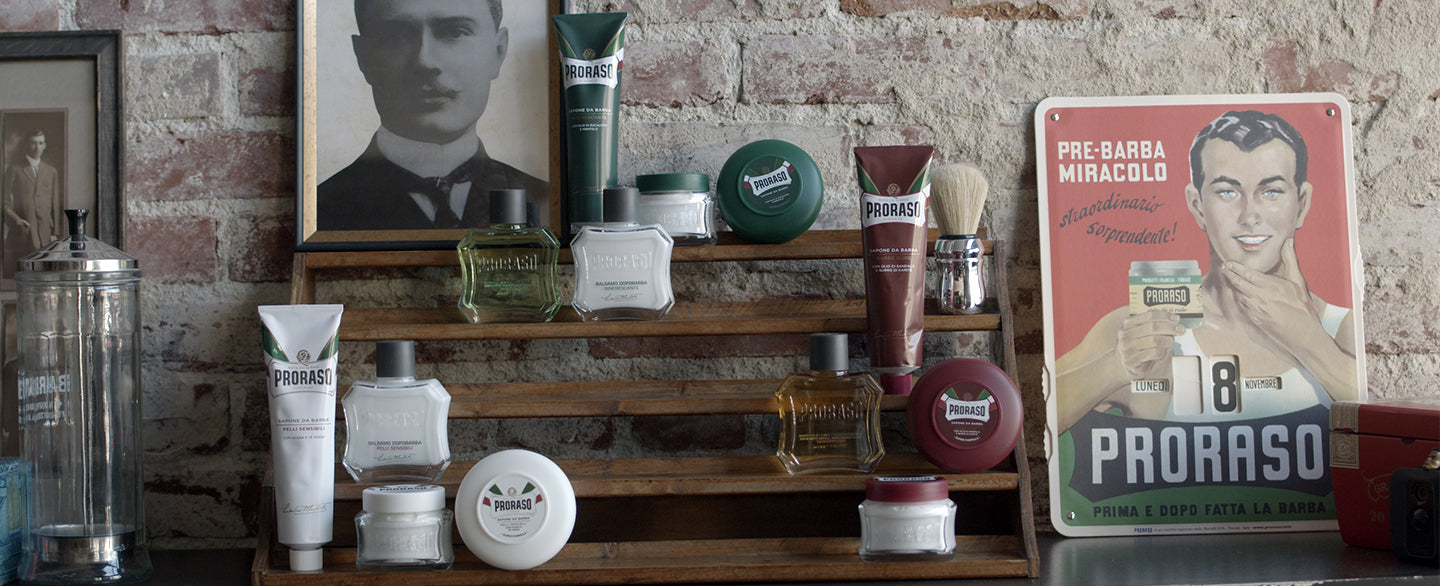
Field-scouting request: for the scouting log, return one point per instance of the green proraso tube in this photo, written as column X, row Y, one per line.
column 592, row 51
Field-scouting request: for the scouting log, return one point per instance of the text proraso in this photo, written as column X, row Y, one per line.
column 601, row 71
column 502, row 505
column 306, row 376
column 1202, row 454
column 882, row 209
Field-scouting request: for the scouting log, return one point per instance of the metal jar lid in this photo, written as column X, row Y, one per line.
column 77, row 255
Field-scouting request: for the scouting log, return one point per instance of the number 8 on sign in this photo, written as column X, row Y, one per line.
column 1222, row 378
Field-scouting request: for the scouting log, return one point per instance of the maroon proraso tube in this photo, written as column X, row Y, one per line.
column 894, row 187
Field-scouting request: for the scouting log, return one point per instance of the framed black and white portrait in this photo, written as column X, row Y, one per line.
column 411, row 111
column 59, row 139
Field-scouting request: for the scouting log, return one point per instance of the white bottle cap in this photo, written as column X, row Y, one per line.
column 307, row 560
column 403, row 498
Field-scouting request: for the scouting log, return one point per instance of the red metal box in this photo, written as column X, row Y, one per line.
column 1368, row 442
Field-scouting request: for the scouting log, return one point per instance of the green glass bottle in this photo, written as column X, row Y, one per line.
column 510, row 270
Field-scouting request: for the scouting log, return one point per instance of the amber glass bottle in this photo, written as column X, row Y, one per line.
column 829, row 417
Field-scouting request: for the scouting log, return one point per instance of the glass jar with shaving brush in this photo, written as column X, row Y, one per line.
column 956, row 199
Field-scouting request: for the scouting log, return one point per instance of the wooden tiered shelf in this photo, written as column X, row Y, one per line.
column 683, row 519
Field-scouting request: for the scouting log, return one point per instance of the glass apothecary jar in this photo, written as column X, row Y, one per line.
column 907, row 518
column 404, row 527
column 681, row 204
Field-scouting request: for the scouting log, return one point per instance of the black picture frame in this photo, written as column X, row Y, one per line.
column 324, row 126
column 77, row 77
column 101, row 52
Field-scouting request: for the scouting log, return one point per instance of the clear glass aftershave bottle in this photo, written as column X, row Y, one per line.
column 509, row 270
column 830, row 417
column 395, row 426
column 622, row 269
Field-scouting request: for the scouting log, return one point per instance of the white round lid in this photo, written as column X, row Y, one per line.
column 515, row 509
column 403, row 498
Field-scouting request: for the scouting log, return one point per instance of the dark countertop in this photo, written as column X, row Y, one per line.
column 1264, row 558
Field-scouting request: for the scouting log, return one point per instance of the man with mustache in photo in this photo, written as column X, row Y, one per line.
column 430, row 64
column 1249, row 192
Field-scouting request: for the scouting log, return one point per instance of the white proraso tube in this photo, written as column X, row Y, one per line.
column 300, row 343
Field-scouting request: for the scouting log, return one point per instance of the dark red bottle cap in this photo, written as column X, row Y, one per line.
column 906, row 489
column 965, row 415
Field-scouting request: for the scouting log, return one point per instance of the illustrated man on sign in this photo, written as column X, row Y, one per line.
column 429, row 64
column 32, row 186
column 1250, row 195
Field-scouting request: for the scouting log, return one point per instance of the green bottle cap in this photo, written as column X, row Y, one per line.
column 770, row 191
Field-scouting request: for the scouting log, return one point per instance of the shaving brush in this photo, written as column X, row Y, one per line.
column 957, row 196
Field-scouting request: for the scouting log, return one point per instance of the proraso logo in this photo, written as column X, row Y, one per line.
column 978, row 410
column 513, row 509
column 1166, row 296
column 882, row 209
column 781, row 177
column 522, row 500
column 596, row 71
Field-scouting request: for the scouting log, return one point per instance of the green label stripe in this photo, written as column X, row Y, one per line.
column 272, row 347
column 331, row 348
column 612, row 47
column 921, row 179
column 615, row 44
column 566, row 50
column 867, row 184
column 495, row 490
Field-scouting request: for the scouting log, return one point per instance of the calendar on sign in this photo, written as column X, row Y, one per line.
column 1202, row 285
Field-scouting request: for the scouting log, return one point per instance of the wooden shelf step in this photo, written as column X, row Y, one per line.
column 620, row 398
column 698, row 561
column 685, row 319
column 813, row 244
column 719, row 475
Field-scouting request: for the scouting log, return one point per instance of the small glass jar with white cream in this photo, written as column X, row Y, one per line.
column 680, row 203
column 404, row 527
column 907, row 518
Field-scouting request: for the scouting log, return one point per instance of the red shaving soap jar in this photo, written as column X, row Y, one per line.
column 965, row 415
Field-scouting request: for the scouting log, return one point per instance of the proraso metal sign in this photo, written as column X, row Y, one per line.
column 1202, row 281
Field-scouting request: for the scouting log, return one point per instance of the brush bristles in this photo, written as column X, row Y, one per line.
column 957, row 196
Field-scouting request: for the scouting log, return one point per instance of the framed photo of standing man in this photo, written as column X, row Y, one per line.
column 412, row 111
column 59, row 139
